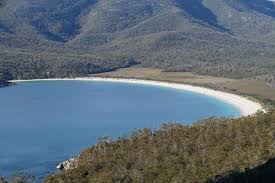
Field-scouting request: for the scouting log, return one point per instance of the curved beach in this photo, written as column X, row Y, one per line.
column 246, row 106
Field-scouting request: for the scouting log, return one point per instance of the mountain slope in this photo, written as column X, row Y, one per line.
column 250, row 19
column 65, row 20
column 232, row 38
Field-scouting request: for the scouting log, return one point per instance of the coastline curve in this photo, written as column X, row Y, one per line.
column 246, row 106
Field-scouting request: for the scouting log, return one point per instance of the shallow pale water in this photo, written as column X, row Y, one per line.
column 43, row 123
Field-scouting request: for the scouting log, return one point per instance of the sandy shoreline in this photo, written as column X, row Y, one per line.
column 246, row 106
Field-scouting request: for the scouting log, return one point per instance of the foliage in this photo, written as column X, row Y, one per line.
column 178, row 153
column 260, row 174
column 19, row 178
column 21, row 66
column 43, row 38
column 3, row 180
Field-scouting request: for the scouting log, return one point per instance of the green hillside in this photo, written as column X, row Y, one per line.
column 218, row 37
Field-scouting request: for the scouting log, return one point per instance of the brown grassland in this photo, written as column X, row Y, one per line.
column 251, row 87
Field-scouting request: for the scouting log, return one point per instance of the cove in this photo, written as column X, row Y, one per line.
column 45, row 122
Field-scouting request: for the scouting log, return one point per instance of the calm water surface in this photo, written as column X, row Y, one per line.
column 43, row 123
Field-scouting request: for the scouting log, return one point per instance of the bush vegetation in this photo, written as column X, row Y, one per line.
column 44, row 38
column 178, row 153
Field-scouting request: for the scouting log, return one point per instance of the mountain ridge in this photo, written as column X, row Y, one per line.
column 174, row 35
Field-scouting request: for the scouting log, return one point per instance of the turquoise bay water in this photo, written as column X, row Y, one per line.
column 44, row 123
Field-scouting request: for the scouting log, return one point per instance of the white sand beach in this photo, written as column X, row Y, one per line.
column 246, row 106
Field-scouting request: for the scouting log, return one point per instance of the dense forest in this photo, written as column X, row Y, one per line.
column 43, row 38
column 260, row 174
column 21, row 66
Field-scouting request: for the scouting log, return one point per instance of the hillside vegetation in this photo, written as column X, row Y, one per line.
column 211, row 151
column 260, row 174
column 201, row 152
column 231, row 38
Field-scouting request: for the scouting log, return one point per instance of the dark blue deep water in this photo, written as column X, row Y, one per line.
column 44, row 123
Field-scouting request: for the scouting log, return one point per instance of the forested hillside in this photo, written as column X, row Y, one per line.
column 206, row 151
column 260, row 174
column 43, row 38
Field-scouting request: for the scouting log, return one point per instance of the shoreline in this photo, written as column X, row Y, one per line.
column 4, row 83
column 246, row 106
